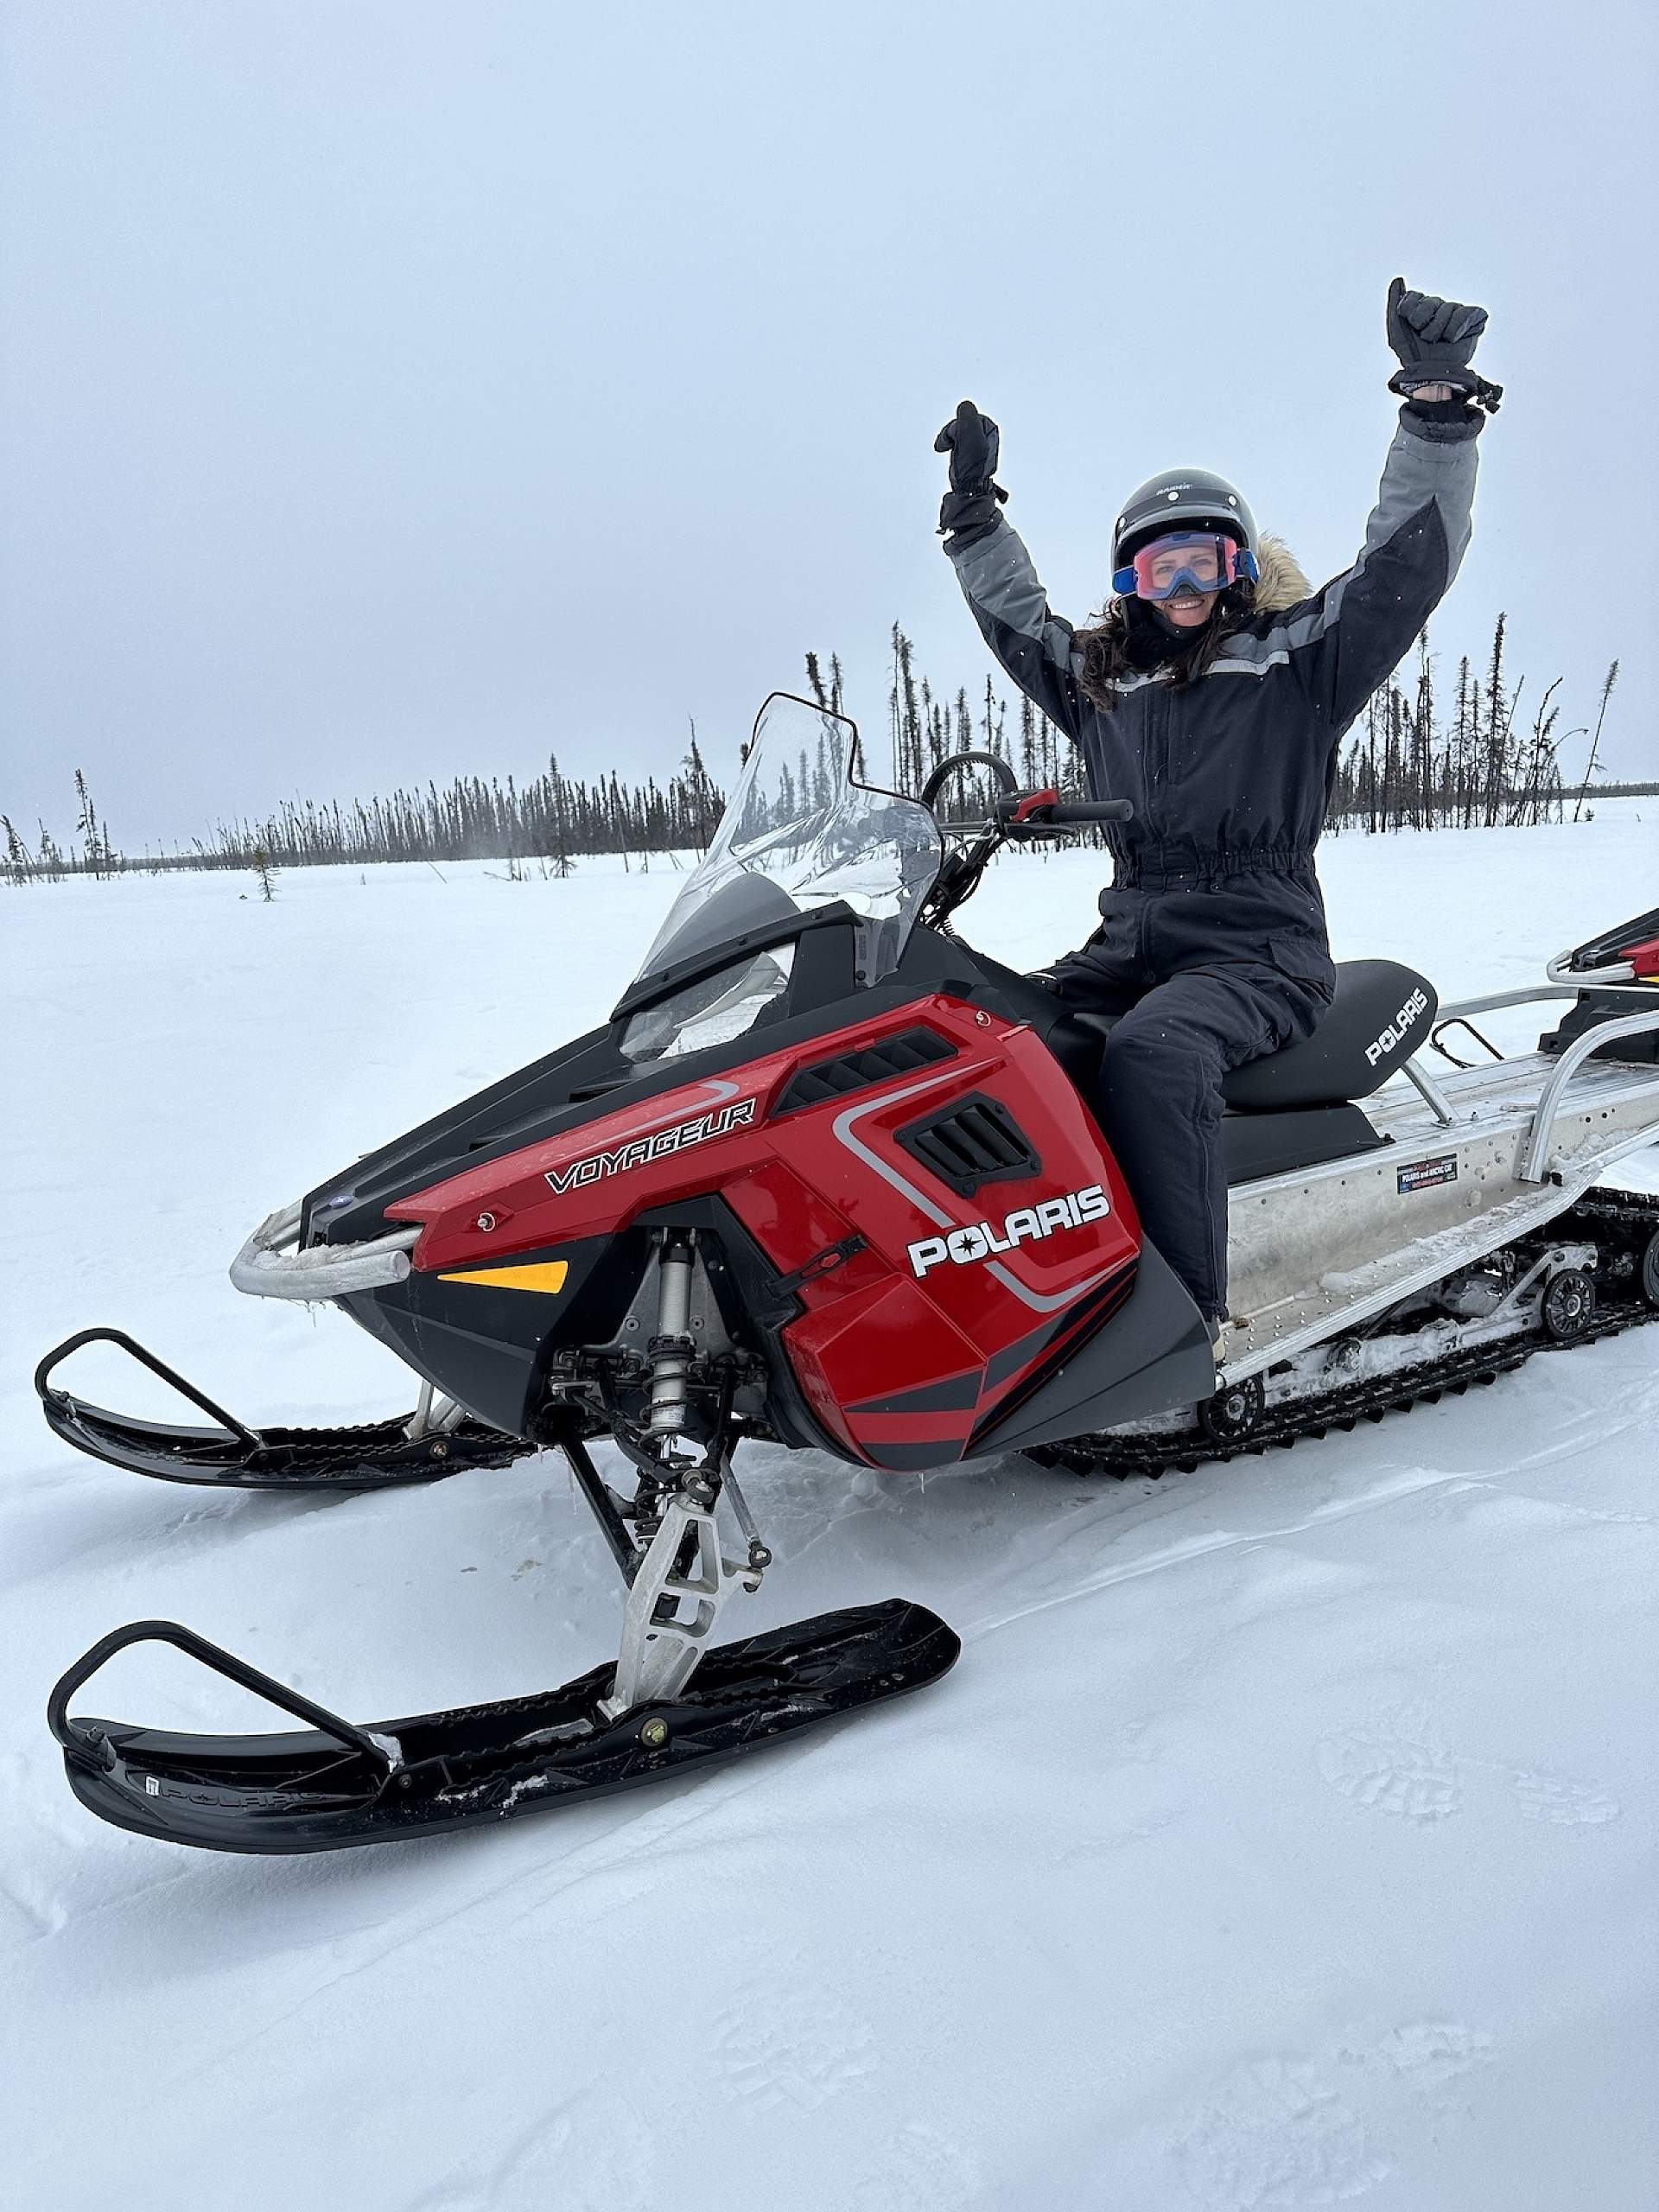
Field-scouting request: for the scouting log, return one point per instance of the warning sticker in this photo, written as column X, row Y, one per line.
column 1424, row 1174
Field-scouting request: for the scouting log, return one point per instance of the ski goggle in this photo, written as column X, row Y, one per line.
column 1185, row 560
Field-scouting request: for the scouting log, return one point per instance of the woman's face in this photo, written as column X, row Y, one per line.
column 1160, row 563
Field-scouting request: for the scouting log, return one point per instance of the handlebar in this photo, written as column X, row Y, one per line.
column 1028, row 814
column 1038, row 810
column 1014, row 814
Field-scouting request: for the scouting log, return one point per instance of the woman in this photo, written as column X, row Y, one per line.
column 1213, row 693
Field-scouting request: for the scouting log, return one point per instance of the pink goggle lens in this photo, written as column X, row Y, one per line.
column 1196, row 560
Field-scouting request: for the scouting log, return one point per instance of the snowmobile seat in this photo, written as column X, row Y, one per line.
column 1382, row 1013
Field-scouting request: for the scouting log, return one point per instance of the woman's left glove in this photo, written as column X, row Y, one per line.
column 974, row 442
column 1435, row 341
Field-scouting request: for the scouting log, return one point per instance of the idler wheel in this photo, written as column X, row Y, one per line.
column 1569, row 1305
column 1235, row 1412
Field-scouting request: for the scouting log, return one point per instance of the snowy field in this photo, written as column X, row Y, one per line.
column 1284, row 1836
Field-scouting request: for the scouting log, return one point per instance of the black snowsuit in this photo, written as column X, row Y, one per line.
column 1212, row 943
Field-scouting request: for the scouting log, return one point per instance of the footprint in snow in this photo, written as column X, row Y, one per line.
column 1283, row 2131
column 1391, row 1774
column 1429, row 2057
column 1419, row 1782
column 1568, row 1804
column 771, row 2052
column 1278, row 2132
column 918, row 2170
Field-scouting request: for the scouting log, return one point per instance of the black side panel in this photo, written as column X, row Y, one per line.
column 1602, row 951
column 1153, row 1357
column 489, row 1348
column 486, row 1346
column 1591, row 1007
column 1253, row 1145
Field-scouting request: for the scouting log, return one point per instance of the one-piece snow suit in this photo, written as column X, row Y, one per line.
column 1212, row 945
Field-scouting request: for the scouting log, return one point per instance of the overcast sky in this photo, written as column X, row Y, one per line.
column 394, row 389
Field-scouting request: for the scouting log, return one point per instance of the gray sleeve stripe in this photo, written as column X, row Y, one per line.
column 998, row 576
column 1418, row 474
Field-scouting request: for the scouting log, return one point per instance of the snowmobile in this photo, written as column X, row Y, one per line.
column 830, row 1178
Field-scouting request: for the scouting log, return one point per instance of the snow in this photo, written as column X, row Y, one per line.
column 1282, row 1838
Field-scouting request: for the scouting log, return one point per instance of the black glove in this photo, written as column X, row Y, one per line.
column 973, row 442
column 1435, row 341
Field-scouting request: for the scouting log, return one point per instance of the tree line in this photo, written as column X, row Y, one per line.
column 1419, row 758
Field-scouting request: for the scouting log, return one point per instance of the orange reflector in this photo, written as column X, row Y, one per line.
column 546, row 1275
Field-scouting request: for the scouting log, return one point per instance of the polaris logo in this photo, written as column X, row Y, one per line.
column 980, row 1241
column 655, row 1147
column 1396, row 1032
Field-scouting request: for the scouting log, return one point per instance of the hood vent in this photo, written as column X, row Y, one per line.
column 972, row 1142
column 848, row 1071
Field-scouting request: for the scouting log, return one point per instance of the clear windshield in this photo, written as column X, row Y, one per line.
column 798, row 833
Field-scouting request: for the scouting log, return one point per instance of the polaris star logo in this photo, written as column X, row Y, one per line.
column 655, row 1147
column 1394, row 1034
column 980, row 1241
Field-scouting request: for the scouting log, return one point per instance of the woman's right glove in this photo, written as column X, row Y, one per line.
column 1435, row 341
column 973, row 442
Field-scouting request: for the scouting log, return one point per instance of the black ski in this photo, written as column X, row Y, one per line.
column 334, row 1785
column 230, row 1455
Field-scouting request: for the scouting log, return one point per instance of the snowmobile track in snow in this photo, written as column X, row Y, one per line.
column 1633, row 1216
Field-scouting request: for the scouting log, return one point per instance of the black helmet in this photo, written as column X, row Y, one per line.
column 1182, row 498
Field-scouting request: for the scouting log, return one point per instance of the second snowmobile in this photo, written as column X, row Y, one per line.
column 830, row 1177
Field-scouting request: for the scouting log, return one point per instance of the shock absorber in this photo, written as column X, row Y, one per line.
column 670, row 1351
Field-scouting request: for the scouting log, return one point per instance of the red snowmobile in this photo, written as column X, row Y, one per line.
column 830, row 1178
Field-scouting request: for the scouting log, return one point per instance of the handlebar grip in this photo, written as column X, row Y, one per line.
column 1033, row 811
column 1093, row 809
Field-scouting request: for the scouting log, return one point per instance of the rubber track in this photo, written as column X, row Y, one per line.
column 1632, row 1217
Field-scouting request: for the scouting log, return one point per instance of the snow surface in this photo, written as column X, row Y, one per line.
column 1282, row 1838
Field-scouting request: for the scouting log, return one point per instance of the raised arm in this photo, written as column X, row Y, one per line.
column 1351, row 636
column 1033, row 642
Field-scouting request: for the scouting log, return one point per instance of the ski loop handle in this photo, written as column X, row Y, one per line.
column 136, row 1351
column 220, row 1662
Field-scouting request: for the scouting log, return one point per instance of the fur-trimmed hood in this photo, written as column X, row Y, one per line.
column 1281, row 583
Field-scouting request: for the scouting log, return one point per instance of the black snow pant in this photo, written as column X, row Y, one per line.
column 1204, row 975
